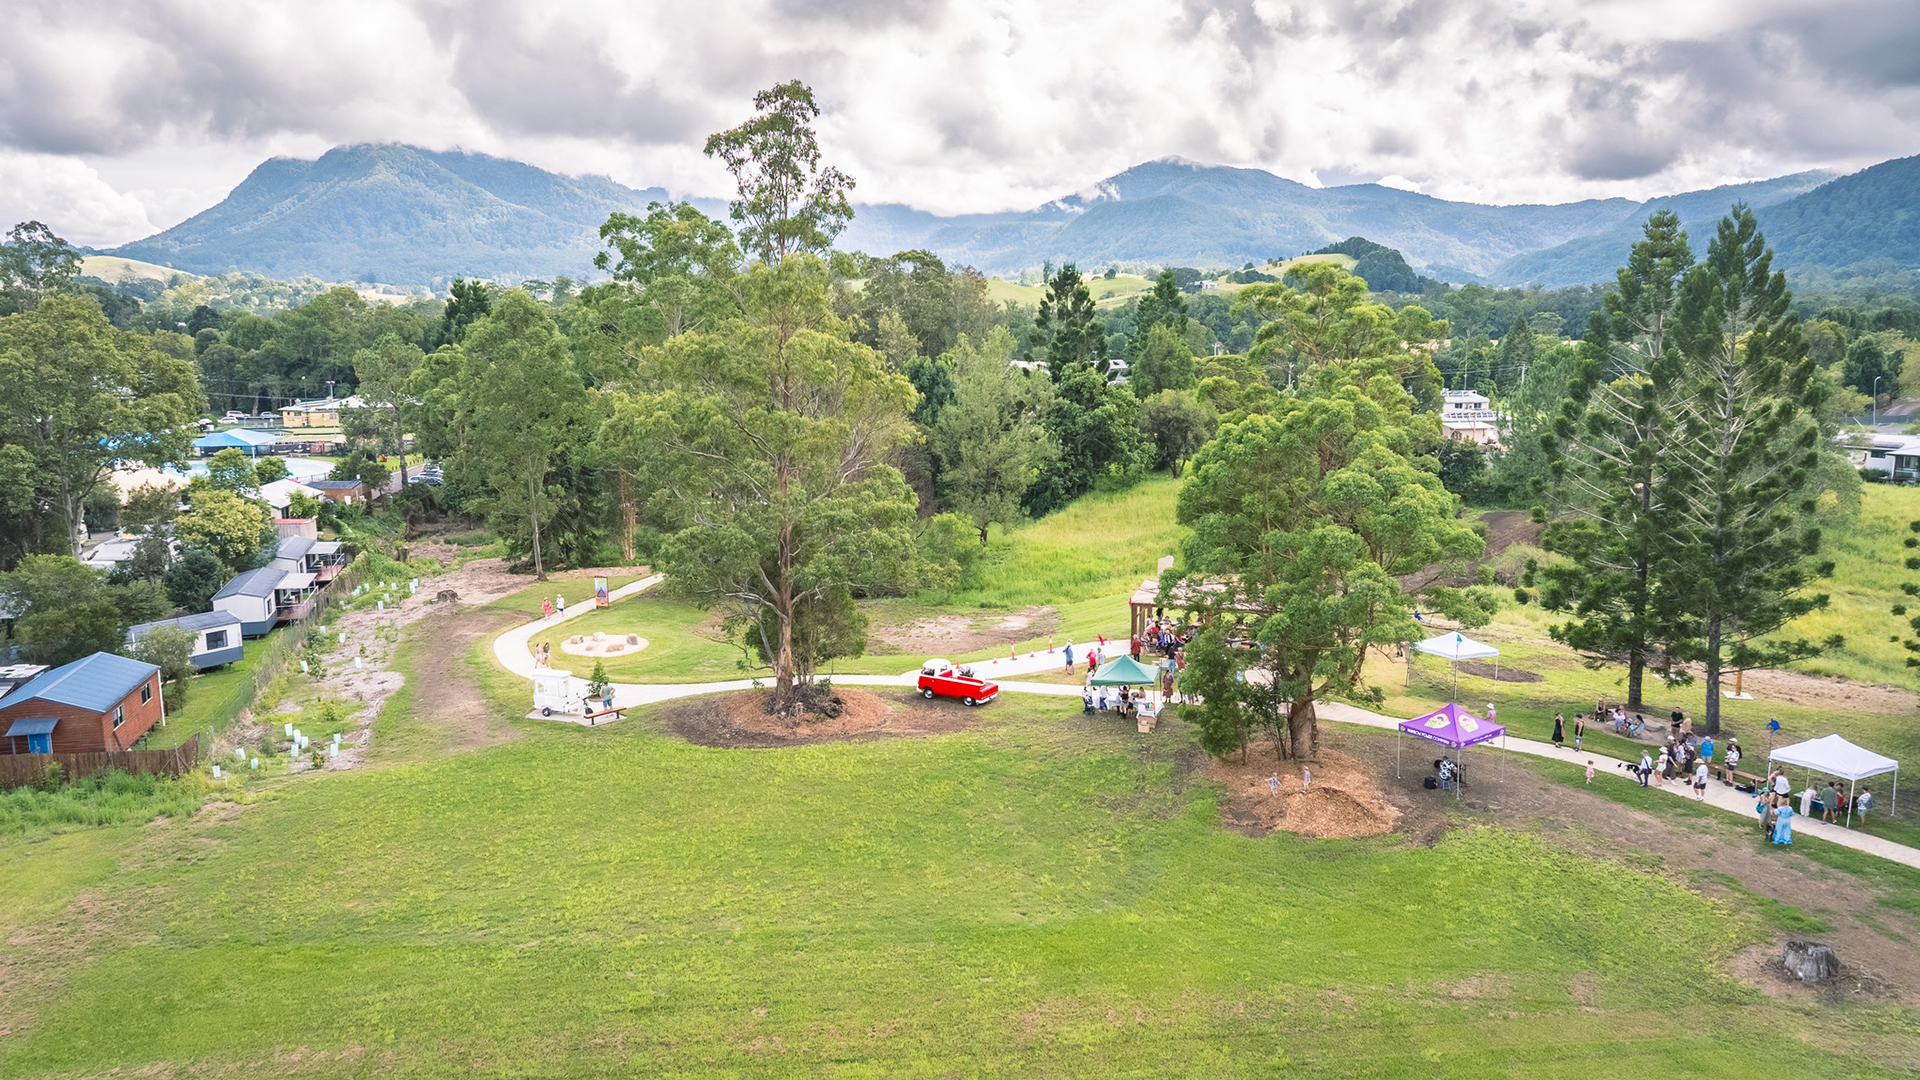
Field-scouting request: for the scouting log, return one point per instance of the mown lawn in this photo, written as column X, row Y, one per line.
column 1033, row 896
column 1083, row 562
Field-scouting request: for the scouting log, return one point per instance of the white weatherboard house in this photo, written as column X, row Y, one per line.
column 216, row 636
column 253, row 598
column 1469, row 417
column 1895, row 456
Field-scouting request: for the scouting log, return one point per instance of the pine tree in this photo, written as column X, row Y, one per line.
column 1610, row 463
column 1065, row 326
column 1740, row 556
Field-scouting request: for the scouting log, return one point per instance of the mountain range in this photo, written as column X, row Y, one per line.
column 402, row 215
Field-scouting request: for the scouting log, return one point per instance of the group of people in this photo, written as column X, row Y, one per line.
column 543, row 655
column 1119, row 699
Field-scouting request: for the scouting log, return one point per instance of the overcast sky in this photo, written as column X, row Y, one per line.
column 120, row 117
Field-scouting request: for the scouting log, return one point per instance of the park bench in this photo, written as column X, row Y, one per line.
column 1736, row 776
column 618, row 712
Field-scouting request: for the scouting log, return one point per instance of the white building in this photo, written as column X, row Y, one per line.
column 1468, row 417
column 1895, row 456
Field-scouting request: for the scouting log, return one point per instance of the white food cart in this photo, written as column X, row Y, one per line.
column 554, row 692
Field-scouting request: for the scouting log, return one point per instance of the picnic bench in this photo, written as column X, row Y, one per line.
column 592, row 716
column 1736, row 776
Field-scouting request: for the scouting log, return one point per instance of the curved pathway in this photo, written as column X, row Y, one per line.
column 511, row 649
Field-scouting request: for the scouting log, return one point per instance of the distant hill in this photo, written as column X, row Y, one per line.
column 1594, row 258
column 400, row 215
column 404, row 216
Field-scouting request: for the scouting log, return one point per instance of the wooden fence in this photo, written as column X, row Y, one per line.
column 25, row 770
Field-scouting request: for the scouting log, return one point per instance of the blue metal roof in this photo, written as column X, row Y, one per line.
column 206, row 620
column 259, row 582
column 95, row 683
column 238, row 438
column 33, row 725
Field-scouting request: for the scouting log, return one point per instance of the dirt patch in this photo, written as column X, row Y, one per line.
column 956, row 634
column 1503, row 673
column 741, row 719
column 1506, row 528
column 1719, row 857
column 1342, row 799
column 1761, row 967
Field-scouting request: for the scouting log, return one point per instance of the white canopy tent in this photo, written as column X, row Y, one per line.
column 1835, row 756
column 1456, row 647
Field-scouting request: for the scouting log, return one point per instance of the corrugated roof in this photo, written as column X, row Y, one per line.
column 333, row 485
column 206, row 620
column 259, row 582
column 325, row 547
column 293, row 547
column 95, row 683
column 33, row 725
column 235, row 437
column 295, row 581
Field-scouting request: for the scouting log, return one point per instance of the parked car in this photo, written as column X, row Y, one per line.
column 939, row 678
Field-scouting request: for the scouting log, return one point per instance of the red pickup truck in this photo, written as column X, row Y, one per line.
column 939, row 678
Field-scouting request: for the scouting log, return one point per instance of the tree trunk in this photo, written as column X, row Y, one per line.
column 983, row 535
column 629, row 514
column 72, row 510
column 1303, row 728
column 533, row 515
column 1713, row 676
column 400, row 447
column 783, row 680
column 1636, row 676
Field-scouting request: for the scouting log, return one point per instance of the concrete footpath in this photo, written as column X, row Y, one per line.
column 512, row 649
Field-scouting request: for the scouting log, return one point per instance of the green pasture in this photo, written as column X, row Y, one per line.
column 1036, row 895
column 1082, row 564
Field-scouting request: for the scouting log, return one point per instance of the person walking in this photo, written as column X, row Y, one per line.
column 1589, row 772
column 1579, row 731
column 1559, row 731
column 1069, row 656
column 1660, row 768
column 1646, row 768
column 560, row 604
column 1700, row 782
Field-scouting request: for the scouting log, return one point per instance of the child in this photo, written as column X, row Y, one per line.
column 1589, row 771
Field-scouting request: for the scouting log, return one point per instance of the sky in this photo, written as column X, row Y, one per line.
column 122, row 117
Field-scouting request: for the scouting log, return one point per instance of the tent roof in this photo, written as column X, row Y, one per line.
column 1125, row 671
column 1453, row 726
column 1836, row 756
column 239, row 438
column 1456, row 647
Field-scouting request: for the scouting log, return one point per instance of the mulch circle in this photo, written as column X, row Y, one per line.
column 1501, row 674
column 741, row 719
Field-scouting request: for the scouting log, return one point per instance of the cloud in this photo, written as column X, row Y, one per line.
column 69, row 197
column 984, row 105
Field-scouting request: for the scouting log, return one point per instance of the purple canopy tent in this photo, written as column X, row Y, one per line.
column 1450, row 726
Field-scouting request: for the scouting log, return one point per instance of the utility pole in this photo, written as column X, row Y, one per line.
column 1876, row 400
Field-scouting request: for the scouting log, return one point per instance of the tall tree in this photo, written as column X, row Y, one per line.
column 1322, row 326
column 65, row 610
column 1745, row 543
column 232, row 470
column 1096, row 424
column 1065, row 329
column 990, row 441
column 519, row 402
column 1870, row 368
column 789, row 202
column 1177, row 424
column 467, row 303
column 1163, row 362
column 1164, row 306
column 33, row 263
column 1304, row 523
column 767, row 440
column 385, row 373
column 237, row 530
column 84, row 398
column 678, row 261
column 1611, row 459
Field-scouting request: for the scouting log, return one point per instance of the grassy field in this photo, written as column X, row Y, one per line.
column 1083, row 563
column 1031, row 896
column 1106, row 292
column 1867, row 573
column 210, row 696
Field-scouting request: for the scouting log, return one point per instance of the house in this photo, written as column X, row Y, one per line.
column 279, row 495
column 1897, row 457
column 307, row 555
column 346, row 492
column 216, row 636
column 12, row 675
column 254, row 443
column 1470, row 418
column 98, row 702
column 318, row 413
column 250, row 598
column 119, row 548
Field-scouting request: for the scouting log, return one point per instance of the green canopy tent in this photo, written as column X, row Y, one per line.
column 1126, row 671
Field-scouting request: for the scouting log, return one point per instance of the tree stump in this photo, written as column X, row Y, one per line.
column 447, row 596
column 1810, row 961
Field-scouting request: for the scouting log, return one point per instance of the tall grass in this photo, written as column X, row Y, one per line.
column 1103, row 544
column 1868, row 569
column 108, row 798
